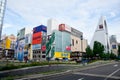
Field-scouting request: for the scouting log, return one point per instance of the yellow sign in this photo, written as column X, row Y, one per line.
column 62, row 55
column 8, row 42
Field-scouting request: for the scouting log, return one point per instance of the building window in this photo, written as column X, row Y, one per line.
column 72, row 42
column 76, row 42
column 43, row 56
column 101, row 26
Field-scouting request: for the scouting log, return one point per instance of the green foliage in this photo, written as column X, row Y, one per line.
column 113, row 56
column 89, row 52
column 13, row 66
column 98, row 48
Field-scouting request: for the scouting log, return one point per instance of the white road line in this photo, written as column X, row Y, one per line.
column 96, row 75
column 81, row 79
column 115, row 65
column 112, row 74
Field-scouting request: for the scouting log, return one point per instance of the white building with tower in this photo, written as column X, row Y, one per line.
column 101, row 35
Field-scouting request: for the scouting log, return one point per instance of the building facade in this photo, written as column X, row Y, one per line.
column 68, row 42
column 114, row 44
column 23, row 44
column 101, row 35
column 39, row 43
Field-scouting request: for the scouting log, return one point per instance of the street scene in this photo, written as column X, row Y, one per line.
column 59, row 40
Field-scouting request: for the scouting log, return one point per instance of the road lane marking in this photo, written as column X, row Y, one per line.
column 81, row 79
column 115, row 65
column 96, row 75
column 112, row 74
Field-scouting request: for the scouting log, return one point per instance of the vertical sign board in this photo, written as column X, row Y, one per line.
column 20, row 50
column 37, row 38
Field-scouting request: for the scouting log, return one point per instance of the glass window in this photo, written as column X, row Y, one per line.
column 76, row 42
column 73, row 42
column 43, row 56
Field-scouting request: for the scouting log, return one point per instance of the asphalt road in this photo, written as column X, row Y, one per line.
column 107, row 72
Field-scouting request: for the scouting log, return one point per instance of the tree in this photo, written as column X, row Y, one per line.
column 89, row 52
column 98, row 48
column 113, row 56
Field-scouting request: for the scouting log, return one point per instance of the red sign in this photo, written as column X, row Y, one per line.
column 64, row 27
column 37, row 38
column 43, row 48
column 68, row 48
column 61, row 27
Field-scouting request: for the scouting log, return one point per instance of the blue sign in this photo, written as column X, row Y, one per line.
column 39, row 29
column 36, row 46
column 20, row 53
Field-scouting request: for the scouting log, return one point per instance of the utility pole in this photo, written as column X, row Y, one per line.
column 2, row 12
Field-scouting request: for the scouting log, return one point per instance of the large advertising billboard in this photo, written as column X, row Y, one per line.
column 64, row 27
column 62, row 55
column 20, row 50
column 39, row 29
column 37, row 38
column 36, row 46
column 8, row 42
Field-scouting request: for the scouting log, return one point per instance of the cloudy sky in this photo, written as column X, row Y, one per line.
column 80, row 14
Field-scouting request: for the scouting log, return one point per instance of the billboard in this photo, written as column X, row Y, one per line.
column 68, row 48
column 20, row 50
column 43, row 48
column 8, row 42
column 28, row 38
column 39, row 29
column 37, row 38
column 36, row 46
column 62, row 55
column 64, row 27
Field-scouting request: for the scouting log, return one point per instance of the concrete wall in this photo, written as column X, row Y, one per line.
column 52, row 25
column 76, row 44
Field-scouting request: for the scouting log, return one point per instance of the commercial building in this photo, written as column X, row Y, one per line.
column 67, row 41
column 114, row 44
column 62, row 45
column 23, row 44
column 39, row 43
column 101, row 35
column 8, row 45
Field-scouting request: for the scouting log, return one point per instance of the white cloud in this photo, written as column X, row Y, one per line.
column 112, row 14
column 80, row 14
column 7, row 26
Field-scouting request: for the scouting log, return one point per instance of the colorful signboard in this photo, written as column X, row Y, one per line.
column 64, row 27
column 8, row 42
column 36, row 46
column 37, row 38
column 68, row 48
column 62, row 55
column 20, row 50
column 39, row 29
column 43, row 48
